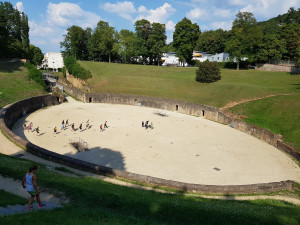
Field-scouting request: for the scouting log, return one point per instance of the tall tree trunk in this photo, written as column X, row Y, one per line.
column 238, row 65
column 109, row 58
column 158, row 60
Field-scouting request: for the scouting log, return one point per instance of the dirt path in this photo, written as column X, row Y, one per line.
column 232, row 104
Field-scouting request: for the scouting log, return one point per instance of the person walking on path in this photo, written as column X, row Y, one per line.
column 55, row 130
column 105, row 124
column 67, row 122
column 101, row 129
column 73, row 127
column 29, row 182
column 80, row 127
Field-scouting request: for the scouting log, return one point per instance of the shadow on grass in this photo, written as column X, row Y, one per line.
column 297, row 86
column 10, row 67
column 104, row 203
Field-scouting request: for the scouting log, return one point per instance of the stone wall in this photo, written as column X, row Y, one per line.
column 208, row 112
column 278, row 68
column 15, row 111
column 22, row 108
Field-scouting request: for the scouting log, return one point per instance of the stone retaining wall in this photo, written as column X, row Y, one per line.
column 10, row 115
column 208, row 112
column 278, row 68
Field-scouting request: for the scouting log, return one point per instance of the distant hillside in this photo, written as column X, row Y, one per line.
column 14, row 84
column 273, row 24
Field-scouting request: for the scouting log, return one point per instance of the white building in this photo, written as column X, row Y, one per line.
column 170, row 59
column 221, row 57
column 53, row 60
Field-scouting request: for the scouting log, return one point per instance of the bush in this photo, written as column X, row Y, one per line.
column 76, row 69
column 208, row 72
column 35, row 75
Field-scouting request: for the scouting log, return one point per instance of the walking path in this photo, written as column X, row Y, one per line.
column 15, row 187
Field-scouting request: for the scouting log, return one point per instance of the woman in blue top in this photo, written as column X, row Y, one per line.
column 29, row 182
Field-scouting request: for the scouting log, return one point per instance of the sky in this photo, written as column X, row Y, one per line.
column 48, row 20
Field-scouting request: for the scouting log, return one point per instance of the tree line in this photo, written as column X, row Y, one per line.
column 277, row 38
column 14, row 35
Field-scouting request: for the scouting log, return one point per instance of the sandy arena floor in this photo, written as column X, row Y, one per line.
column 180, row 147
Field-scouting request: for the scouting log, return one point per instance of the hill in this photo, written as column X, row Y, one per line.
column 14, row 84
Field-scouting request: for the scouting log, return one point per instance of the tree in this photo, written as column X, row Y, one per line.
column 212, row 41
column 35, row 55
column 208, row 72
column 142, row 31
column 75, row 42
column 245, row 37
column 14, row 32
column 270, row 49
column 102, row 41
column 157, row 41
column 126, row 45
column 184, row 39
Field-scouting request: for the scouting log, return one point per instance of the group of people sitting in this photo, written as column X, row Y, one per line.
column 147, row 125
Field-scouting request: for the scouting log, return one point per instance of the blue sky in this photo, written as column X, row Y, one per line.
column 48, row 20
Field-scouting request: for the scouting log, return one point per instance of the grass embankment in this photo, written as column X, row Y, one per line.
column 10, row 199
column 280, row 114
column 14, row 84
column 179, row 83
column 97, row 202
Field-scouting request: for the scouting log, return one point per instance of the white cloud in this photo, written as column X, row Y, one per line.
column 269, row 8
column 142, row 9
column 265, row 8
column 124, row 9
column 170, row 25
column 48, row 32
column 120, row 7
column 197, row 14
column 128, row 11
column 237, row 2
column 68, row 14
column 225, row 25
column 19, row 6
column 225, row 13
column 39, row 30
column 158, row 15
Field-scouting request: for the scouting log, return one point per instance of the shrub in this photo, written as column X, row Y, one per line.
column 35, row 75
column 76, row 69
column 69, row 63
column 208, row 72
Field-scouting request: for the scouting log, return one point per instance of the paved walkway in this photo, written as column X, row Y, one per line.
column 15, row 187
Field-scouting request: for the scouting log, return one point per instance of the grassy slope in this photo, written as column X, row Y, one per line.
column 13, row 84
column 279, row 114
column 179, row 83
column 96, row 202
column 10, row 199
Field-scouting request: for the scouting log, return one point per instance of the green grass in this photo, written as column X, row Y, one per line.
column 10, row 199
column 97, row 202
column 179, row 83
column 14, row 85
column 280, row 114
